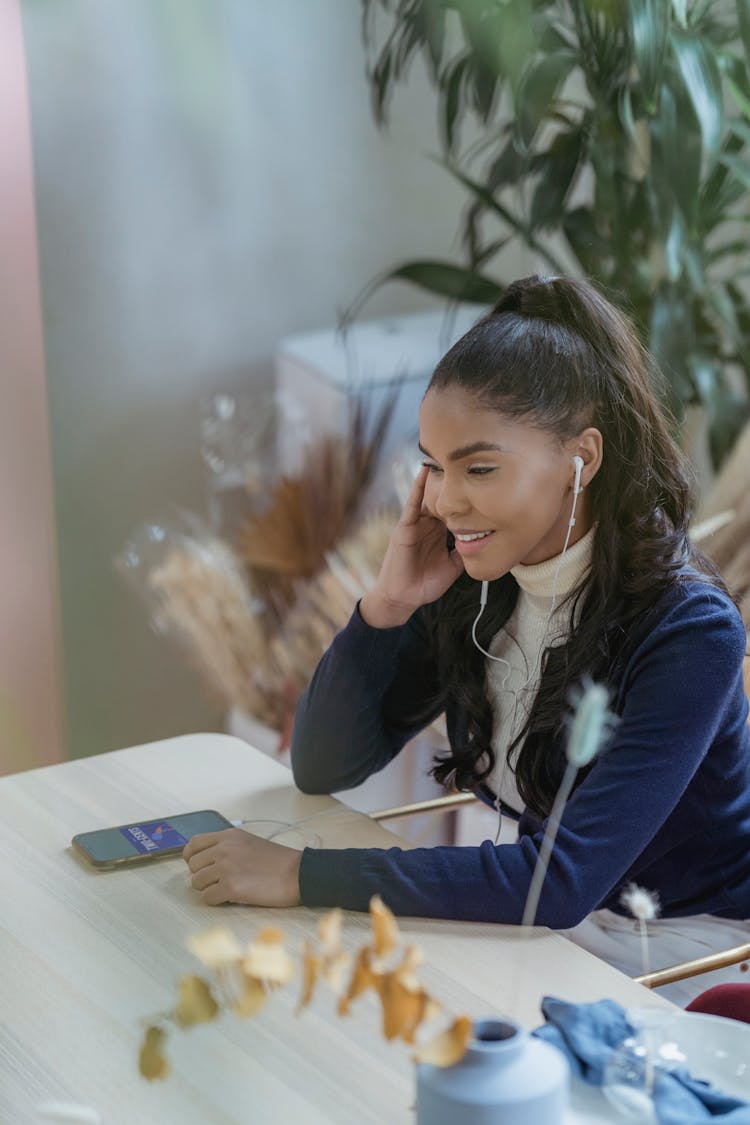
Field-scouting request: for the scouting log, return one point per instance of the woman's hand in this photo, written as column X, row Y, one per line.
column 235, row 866
column 417, row 568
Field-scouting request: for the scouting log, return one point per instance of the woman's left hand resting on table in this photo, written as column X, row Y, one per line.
column 235, row 866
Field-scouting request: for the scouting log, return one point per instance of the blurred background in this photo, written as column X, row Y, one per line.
column 192, row 197
column 207, row 179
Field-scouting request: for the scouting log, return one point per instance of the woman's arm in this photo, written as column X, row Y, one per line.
column 681, row 685
column 377, row 684
column 372, row 691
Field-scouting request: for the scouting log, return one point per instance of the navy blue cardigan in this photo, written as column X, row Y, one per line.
column 667, row 806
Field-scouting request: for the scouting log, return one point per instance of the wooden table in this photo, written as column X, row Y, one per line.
column 86, row 957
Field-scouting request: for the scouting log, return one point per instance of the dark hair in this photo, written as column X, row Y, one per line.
column 555, row 352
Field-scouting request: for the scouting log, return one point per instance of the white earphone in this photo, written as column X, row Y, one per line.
column 577, row 489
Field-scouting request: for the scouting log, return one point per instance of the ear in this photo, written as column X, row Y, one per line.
column 588, row 445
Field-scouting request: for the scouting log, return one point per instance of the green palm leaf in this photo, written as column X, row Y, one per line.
column 700, row 73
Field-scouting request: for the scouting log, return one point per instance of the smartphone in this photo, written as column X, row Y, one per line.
column 146, row 839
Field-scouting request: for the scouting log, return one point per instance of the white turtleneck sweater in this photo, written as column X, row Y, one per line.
column 521, row 642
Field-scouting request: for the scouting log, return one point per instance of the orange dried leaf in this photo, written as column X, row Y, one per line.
column 384, row 929
column 334, row 969
column 329, row 929
column 215, row 948
column 412, row 959
column 196, row 1003
column 310, row 972
column 363, row 978
column 426, row 1010
column 269, row 962
column 151, row 1061
column 271, row 935
column 448, row 1046
column 401, row 997
column 251, row 999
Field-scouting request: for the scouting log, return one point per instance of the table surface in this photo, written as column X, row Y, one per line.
column 87, row 957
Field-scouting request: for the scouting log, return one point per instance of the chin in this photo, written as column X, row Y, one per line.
column 484, row 570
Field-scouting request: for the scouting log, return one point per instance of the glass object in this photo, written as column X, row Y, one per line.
column 236, row 435
column 148, row 558
column 628, row 1079
column 710, row 1048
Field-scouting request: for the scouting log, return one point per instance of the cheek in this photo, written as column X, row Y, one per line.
column 528, row 497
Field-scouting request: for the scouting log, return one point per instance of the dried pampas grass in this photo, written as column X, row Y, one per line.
column 205, row 599
column 250, row 662
column 325, row 604
column 310, row 512
column 257, row 619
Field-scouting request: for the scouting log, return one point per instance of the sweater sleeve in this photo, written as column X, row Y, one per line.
column 371, row 692
column 678, row 688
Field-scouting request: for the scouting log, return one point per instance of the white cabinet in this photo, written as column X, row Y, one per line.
column 318, row 374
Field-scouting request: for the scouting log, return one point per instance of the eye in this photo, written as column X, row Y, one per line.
column 481, row 470
column 431, row 468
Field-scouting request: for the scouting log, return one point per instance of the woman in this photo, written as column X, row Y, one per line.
column 552, row 488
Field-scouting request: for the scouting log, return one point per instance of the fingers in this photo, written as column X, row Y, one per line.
column 235, row 866
column 202, row 859
column 215, row 895
column 206, row 877
column 199, row 843
column 412, row 509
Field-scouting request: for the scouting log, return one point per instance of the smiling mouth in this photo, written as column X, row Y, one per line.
column 471, row 536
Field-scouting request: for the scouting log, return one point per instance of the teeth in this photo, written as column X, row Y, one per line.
column 475, row 535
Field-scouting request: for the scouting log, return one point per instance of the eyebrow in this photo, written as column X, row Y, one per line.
column 468, row 450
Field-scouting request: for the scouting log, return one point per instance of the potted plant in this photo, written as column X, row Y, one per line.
column 613, row 141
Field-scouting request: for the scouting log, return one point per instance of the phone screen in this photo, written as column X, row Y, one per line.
column 146, row 839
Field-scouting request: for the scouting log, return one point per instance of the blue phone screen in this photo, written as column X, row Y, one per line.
column 171, row 833
column 153, row 836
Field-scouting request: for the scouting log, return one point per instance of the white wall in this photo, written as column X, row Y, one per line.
column 208, row 179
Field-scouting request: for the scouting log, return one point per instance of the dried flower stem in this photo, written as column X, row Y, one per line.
column 644, row 906
column 591, row 724
column 644, row 944
column 548, row 843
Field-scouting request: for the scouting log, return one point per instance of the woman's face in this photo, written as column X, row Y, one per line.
column 498, row 477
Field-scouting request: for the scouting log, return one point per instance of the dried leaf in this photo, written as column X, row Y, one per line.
column 272, row 935
column 329, row 929
column 151, row 1062
column 311, row 965
column 362, row 979
column 215, row 948
column 268, row 961
column 405, row 1005
column 449, row 1046
column 384, row 928
column 196, row 1003
column 334, row 969
column 412, row 959
column 427, row 1009
column 252, row 997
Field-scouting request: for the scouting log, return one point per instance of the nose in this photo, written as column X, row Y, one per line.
column 448, row 498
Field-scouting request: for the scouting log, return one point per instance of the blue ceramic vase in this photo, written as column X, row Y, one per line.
column 505, row 1078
